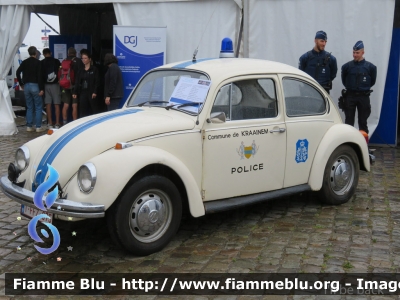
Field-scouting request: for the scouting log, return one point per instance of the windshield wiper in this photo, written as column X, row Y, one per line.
column 151, row 102
column 183, row 105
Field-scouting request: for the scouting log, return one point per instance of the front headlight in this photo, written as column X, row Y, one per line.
column 22, row 157
column 87, row 177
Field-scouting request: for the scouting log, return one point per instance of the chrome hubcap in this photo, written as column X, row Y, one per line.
column 342, row 175
column 150, row 216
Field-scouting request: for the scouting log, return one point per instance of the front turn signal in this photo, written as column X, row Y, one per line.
column 120, row 146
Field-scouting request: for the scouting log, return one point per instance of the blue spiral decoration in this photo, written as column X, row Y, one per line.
column 32, row 232
column 49, row 201
column 44, row 187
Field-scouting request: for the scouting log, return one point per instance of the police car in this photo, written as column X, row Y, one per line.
column 208, row 135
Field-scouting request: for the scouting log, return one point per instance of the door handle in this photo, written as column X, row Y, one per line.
column 279, row 130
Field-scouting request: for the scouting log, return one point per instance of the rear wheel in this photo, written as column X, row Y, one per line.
column 340, row 176
column 147, row 215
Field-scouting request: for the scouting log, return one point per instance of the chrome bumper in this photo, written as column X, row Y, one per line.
column 60, row 207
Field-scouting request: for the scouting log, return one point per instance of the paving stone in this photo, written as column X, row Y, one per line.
column 215, row 267
column 310, row 268
column 15, row 256
column 4, row 251
column 313, row 261
column 290, row 264
column 380, row 263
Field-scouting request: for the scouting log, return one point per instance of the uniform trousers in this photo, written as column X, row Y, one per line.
column 363, row 106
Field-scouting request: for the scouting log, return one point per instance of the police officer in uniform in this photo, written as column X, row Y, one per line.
column 318, row 63
column 358, row 76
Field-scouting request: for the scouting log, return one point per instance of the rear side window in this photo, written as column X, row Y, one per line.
column 10, row 72
column 302, row 99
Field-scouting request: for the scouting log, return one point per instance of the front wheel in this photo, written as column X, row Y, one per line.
column 340, row 176
column 146, row 216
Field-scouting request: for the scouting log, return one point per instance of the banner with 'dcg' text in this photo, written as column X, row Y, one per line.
column 138, row 50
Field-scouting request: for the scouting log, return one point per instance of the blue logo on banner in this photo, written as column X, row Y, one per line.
column 301, row 151
column 131, row 40
column 38, row 201
column 134, row 65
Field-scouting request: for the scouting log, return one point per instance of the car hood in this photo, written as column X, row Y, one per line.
column 76, row 143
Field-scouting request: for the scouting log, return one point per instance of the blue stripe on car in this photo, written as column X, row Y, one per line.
column 60, row 143
column 189, row 63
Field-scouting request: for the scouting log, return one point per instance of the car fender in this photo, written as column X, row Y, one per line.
column 34, row 147
column 336, row 135
column 116, row 167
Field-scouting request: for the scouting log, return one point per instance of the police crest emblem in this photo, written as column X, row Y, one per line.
column 301, row 151
column 247, row 151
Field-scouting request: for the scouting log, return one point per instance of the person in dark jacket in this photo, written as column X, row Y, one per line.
column 66, row 94
column 113, row 84
column 318, row 63
column 86, row 86
column 32, row 84
column 50, row 67
column 358, row 76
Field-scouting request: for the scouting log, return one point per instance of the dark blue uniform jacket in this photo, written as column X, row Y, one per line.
column 358, row 75
column 321, row 66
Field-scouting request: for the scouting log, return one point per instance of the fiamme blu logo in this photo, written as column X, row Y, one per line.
column 38, row 201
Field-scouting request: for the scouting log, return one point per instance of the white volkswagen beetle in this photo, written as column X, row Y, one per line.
column 210, row 135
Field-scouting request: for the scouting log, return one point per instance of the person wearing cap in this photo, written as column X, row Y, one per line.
column 318, row 63
column 358, row 76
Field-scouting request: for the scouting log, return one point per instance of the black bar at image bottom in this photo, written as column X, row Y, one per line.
column 201, row 284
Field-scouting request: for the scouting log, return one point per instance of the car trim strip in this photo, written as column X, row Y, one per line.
column 236, row 202
column 165, row 134
column 57, row 146
column 189, row 63
column 310, row 121
column 246, row 126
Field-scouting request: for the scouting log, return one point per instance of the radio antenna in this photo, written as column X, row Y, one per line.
column 197, row 49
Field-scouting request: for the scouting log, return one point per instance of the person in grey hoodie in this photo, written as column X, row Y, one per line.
column 113, row 84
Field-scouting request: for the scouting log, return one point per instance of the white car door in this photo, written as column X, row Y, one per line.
column 307, row 121
column 246, row 153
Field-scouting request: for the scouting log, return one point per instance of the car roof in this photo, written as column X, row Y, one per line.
column 221, row 67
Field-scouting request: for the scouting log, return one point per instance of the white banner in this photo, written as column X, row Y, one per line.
column 138, row 50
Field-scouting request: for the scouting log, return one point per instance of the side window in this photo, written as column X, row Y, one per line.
column 227, row 94
column 302, row 99
column 247, row 99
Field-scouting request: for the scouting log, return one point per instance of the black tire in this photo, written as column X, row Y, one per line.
column 340, row 176
column 146, row 217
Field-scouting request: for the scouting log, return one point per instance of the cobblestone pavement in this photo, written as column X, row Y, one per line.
column 292, row 234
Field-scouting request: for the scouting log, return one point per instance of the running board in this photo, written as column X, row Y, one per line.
column 233, row 203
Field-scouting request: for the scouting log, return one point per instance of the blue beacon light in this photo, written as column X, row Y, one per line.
column 226, row 48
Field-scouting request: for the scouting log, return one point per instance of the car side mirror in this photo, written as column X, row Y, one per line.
column 217, row 117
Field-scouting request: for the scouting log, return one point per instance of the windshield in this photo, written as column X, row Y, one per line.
column 157, row 87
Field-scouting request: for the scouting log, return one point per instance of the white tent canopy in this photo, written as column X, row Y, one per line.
column 275, row 30
column 14, row 24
